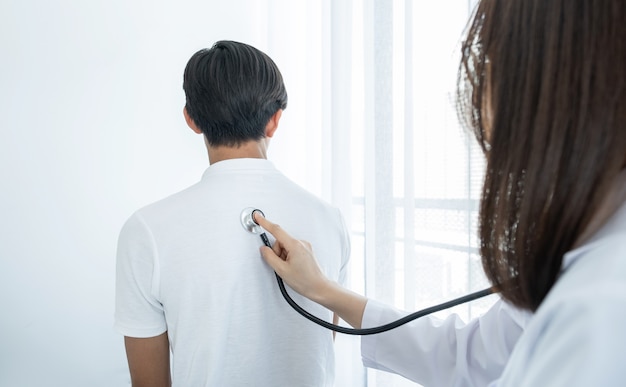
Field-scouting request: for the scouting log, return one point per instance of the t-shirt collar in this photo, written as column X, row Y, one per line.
column 239, row 165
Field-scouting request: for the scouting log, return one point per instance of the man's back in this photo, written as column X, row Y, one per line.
column 187, row 266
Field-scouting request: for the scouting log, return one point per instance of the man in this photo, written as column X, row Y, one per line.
column 190, row 278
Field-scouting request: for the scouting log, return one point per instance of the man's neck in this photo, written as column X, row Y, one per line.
column 248, row 150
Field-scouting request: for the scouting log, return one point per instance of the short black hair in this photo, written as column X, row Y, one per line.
column 232, row 90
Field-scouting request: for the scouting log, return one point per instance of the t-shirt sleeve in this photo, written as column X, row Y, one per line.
column 138, row 312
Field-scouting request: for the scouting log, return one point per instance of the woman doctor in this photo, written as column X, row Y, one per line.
column 542, row 84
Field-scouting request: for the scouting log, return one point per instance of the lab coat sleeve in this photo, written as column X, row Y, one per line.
column 448, row 352
column 567, row 352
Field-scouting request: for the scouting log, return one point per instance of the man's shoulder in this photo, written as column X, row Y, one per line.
column 174, row 203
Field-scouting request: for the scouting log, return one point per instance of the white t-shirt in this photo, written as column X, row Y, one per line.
column 187, row 266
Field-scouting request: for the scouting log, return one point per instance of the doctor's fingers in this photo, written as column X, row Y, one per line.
column 276, row 262
column 281, row 236
column 292, row 249
column 296, row 266
column 260, row 219
column 285, row 246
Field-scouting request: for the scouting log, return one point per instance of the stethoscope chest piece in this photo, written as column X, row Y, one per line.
column 247, row 220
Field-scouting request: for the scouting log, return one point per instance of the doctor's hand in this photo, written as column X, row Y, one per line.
column 294, row 262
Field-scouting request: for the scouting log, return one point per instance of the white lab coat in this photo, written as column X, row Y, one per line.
column 448, row 352
column 577, row 337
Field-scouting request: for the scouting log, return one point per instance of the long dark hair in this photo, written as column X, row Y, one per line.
column 542, row 84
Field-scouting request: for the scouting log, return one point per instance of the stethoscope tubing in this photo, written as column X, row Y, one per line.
column 250, row 225
column 378, row 329
column 381, row 328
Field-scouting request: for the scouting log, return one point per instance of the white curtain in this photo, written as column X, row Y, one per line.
column 375, row 132
column 92, row 129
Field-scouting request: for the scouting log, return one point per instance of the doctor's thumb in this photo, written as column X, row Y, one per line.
column 272, row 259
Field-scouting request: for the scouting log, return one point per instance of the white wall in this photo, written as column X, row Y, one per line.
column 90, row 130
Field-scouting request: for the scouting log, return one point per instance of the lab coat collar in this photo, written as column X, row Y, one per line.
column 614, row 227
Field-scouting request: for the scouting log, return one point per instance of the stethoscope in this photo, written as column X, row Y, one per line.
column 248, row 222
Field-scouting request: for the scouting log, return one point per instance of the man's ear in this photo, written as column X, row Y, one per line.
column 190, row 122
column 272, row 124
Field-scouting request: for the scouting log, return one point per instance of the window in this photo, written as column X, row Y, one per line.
column 384, row 144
